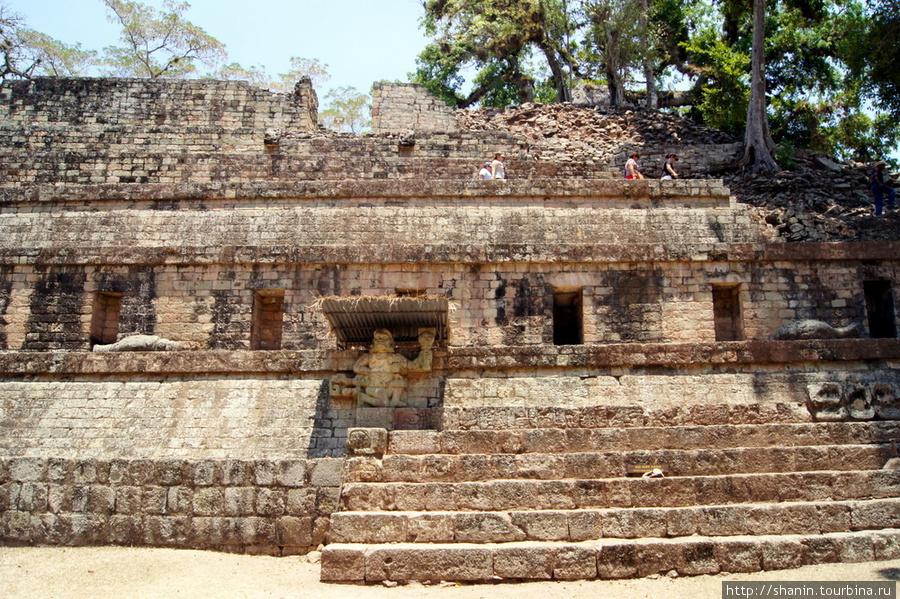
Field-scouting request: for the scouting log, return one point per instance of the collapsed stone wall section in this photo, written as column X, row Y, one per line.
column 272, row 507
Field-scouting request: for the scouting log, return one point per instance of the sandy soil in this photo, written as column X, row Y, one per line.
column 107, row 572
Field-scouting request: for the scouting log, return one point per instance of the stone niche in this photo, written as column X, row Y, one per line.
column 392, row 383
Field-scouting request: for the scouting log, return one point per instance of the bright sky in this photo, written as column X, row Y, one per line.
column 360, row 41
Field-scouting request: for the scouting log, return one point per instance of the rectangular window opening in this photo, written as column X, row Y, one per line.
column 268, row 320
column 728, row 322
column 880, row 309
column 105, row 315
column 567, row 317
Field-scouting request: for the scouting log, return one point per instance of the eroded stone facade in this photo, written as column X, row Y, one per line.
column 216, row 215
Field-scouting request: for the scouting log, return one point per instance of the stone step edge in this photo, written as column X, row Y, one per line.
column 620, row 492
column 603, row 559
column 755, row 519
column 425, row 442
column 421, row 467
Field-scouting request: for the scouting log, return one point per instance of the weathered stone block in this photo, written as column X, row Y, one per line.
column 206, row 473
column 617, row 560
column 439, row 562
column 295, row 532
column 101, row 500
column 209, row 501
column 180, row 500
column 698, row 557
column 738, row 555
column 585, row 525
column 166, row 531
column 207, row 532
column 265, row 472
column 271, row 501
column 343, row 564
column 524, row 561
column 574, row 562
column 27, row 469
column 239, row 501
column 326, row 472
column 781, row 553
column 367, row 441
column 654, row 556
column 237, row 473
column 486, row 527
column 292, row 473
column 126, row 529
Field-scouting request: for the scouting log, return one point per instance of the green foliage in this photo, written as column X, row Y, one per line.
column 314, row 69
column 158, row 44
column 494, row 39
column 28, row 53
column 723, row 81
column 348, row 112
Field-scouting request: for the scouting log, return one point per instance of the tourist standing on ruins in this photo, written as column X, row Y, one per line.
column 879, row 188
column 668, row 170
column 485, row 172
column 497, row 168
column 632, row 168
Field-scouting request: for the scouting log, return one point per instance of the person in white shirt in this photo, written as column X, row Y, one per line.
column 497, row 167
column 485, row 172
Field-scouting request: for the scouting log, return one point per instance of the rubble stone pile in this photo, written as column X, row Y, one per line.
column 815, row 197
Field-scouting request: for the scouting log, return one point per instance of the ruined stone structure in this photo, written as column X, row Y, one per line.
column 585, row 330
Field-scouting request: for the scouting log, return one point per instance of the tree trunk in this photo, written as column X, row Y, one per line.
column 563, row 93
column 758, row 144
column 652, row 92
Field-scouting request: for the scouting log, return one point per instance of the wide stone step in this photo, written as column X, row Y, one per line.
column 568, row 494
column 588, row 439
column 605, row 559
column 543, row 414
column 673, row 462
column 632, row 523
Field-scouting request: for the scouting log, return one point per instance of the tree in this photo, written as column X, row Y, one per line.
column 348, row 110
column 497, row 39
column 158, row 44
column 617, row 39
column 758, row 144
column 27, row 53
column 300, row 68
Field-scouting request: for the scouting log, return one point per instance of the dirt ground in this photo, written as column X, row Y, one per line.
column 107, row 572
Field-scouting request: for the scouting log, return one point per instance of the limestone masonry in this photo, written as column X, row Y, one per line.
column 542, row 345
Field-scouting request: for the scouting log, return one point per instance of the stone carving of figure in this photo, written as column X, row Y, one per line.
column 381, row 374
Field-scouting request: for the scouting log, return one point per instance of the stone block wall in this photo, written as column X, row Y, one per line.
column 400, row 107
column 211, row 307
column 272, row 507
column 235, row 417
column 193, row 275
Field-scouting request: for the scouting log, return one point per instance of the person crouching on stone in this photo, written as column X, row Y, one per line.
column 485, row 172
column 880, row 188
column 632, row 168
column 668, row 170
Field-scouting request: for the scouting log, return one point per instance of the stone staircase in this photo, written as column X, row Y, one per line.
column 570, row 503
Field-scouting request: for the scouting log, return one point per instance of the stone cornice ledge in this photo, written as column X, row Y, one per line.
column 533, row 189
column 306, row 363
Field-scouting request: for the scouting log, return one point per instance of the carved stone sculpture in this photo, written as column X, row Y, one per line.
column 886, row 400
column 826, row 402
column 139, row 343
column 381, row 374
column 816, row 329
